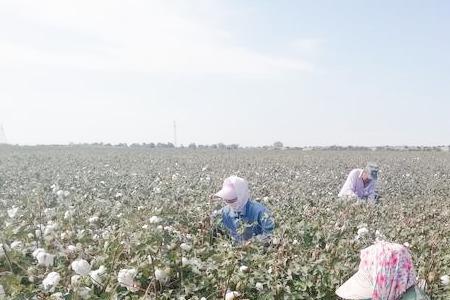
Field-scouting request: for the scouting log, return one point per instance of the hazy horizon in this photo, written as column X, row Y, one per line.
column 250, row 73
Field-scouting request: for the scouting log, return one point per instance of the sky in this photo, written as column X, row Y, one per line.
column 243, row 72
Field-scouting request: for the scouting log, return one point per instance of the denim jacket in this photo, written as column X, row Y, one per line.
column 254, row 220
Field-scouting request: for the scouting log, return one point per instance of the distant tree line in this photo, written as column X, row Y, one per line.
column 275, row 146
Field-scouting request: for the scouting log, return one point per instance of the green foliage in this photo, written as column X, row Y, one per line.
column 313, row 251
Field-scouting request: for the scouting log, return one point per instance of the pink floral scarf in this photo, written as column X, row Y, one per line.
column 390, row 268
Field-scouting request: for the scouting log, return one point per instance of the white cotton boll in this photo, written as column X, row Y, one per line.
column 126, row 279
column 118, row 195
column 161, row 275
column 407, row 245
column 93, row 219
column 12, row 212
column 230, row 295
column 363, row 231
column 37, row 251
column 259, row 286
column 81, row 233
column 379, row 236
column 98, row 276
column 155, row 219
column 45, row 259
column 156, row 190
column 16, row 245
column 185, row 261
column 168, row 228
column 49, row 212
column 81, row 267
column 84, row 293
column 71, row 249
column 68, row 214
column 445, row 280
column 185, row 247
column 196, row 262
column 75, row 280
column 243, row 269
column 145, row 226
column 51, row 281
column 64, row 236
column 30, row 235
column 60, row 193
column 66, row 194
column 50, row 228
column 276, row 241
column 57, row 296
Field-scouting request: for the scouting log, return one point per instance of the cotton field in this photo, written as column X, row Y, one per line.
column 123, row 223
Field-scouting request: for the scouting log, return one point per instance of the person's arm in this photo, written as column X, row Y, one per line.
column 371, row 191
column 348, row 189
column 229, row 223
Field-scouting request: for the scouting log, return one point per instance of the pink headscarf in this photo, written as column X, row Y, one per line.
column 390, row 269
column 235, row 187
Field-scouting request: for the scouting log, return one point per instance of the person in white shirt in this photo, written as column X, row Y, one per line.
column 360, row 183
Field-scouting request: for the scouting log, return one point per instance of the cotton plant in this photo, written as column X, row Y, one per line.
column 185, row 247
column 362, row 233
column 12, row 212
column 57, row 296
column 2, row 251
column 93, row 220
column 231, row 295
column 243, row 269
column 43, row 258
column 17, row 245
column 125, row 278
column 445, row 279
column 75, row 281
column 50, row 228
column 84, row 292
column 71, row 249
column 259, row 286
column 51, row 281
column 81, row 267
column 161, row 275
column 155, row 220
column 2, row 293
column 68, row 215
column 98, row 276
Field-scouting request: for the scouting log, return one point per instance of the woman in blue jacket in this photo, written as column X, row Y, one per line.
column 242, row 217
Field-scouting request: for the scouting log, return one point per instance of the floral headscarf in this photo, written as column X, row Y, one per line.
column 390, row 269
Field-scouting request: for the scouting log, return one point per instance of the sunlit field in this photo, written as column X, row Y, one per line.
column 123, row 223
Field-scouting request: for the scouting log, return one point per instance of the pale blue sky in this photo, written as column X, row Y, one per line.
column 246, row 72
